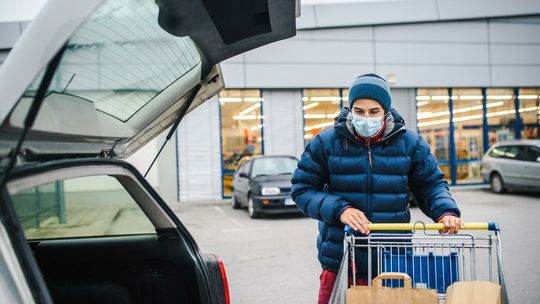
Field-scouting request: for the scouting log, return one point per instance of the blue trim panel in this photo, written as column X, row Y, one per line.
column 221, row 151
column 262, row 120
column 519, row 123
column 453, row 161
column 485, row 127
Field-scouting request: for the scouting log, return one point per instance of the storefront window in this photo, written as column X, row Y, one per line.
column 468, row 116
column 530, row 112
column 501, row 115
column 321, row 106
column 433, row 124
column 241, row 130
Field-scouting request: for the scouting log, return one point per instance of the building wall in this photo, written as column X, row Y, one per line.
column 350, row 13
column 475, row 53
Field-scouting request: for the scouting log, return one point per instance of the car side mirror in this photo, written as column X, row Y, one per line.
column 243, row 174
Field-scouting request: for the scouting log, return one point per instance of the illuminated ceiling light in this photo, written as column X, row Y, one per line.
column 469, row 97
column 432, row 123
column 345, row 98
column 425, row 115
column 440, row 97
column 319, row 126
column 308, row 136
column 310, row 106
column 253, row 99
column 422, row 103
column 230, row 99
column 257, row 127
column 314, row 116
column 500, row 97
column 528, row 96
column 418, row 98
column 529, row 109
column 250, row 109
column 495, row 104
column 247, row 117
column 332, row 116
column 326, row 98
column 305, row 98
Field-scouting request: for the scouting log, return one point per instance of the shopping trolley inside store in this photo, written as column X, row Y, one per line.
column 431, row 260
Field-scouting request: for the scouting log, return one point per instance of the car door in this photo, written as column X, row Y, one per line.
column 531, row 169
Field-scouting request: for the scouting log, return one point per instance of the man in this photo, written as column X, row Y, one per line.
column 362, row 170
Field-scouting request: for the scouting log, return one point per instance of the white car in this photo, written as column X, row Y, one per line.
column 89, row 83
column 512, row 165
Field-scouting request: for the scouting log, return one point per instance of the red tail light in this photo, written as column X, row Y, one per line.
column 225, row 281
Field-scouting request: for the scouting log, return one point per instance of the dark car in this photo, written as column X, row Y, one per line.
column 263, row 185
column 86, row 86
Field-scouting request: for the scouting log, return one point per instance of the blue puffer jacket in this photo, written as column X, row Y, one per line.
column 335, row 172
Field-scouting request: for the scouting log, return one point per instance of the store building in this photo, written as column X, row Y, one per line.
column 464, row 74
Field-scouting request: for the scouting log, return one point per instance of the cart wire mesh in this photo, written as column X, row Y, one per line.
column 432, row 260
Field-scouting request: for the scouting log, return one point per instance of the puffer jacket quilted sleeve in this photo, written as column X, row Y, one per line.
column 427, row 184
column 309, row 180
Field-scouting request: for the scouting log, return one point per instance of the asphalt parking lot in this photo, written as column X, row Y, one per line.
column 274, row 260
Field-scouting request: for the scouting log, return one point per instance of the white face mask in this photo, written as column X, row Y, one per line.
column 367, row 126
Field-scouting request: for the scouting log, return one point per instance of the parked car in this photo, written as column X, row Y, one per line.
column 87, row 84
column 263, row 185
column 512, row 165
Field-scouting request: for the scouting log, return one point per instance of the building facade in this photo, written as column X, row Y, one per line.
column 464, row 74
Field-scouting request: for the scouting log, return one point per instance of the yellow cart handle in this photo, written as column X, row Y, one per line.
column 492, row 226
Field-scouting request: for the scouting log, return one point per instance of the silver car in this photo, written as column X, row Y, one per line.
column 512, row 165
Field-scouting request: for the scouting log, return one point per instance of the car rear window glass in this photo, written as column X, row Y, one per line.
column 120, row 59
column 79, row 207
column 273, row 166
column 533, row 153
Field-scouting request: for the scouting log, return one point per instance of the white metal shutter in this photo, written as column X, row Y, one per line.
column 199, row 154
column 404, row 101
column 283, row 122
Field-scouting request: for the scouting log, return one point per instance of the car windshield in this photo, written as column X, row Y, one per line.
column 273, row 166
column 120, row 60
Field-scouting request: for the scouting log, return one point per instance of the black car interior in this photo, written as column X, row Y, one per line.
column 119, row 269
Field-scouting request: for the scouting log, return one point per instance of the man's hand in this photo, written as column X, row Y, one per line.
column 452, row 224
column 356, row 219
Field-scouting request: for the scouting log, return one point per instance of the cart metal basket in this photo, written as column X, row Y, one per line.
column 432, row 260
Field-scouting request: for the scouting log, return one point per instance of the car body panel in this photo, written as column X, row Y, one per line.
column 515, row 173
column 13, row 286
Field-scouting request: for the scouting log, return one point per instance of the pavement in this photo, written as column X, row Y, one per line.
column 274, row 259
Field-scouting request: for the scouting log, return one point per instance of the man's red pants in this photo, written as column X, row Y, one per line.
column 327, row 280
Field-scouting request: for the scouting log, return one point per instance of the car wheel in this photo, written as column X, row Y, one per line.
column 235, row 203
column 251, row 209
column 497, row 184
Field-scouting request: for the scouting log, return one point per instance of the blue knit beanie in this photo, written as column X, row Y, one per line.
column 371, row 86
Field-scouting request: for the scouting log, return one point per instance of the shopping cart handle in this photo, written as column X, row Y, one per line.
column 491, row 226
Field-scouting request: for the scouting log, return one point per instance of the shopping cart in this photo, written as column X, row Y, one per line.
column 432, row 260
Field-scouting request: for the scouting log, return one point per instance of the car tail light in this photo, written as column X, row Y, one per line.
column 225, row 281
